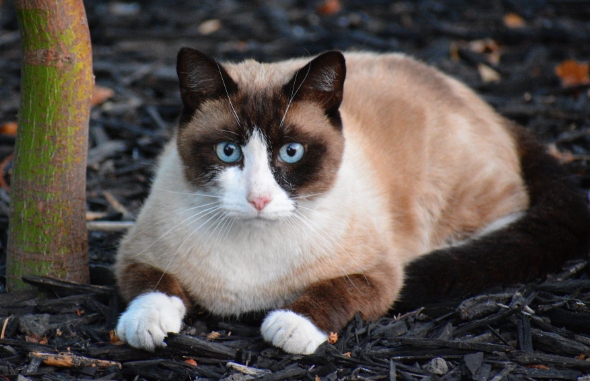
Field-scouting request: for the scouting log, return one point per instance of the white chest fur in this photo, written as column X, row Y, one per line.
column 233, row 266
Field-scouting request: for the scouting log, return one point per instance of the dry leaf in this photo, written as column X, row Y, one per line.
column 9, row 128
column 101, row 94
column 454, row 52
column 563, row 157
column 91, row 216
column 209, row 26
column 317, row 378
column 513, row 21
column 572, row 73
column 538, row 366
column 582, row 356
column 488, row 47
column 33, row 338
column 79, row 312
column 44, row 340
column 332, row 338
column 191, row 362
column 347, row 354
column 488, row 74
column 114, row 339
column 213, row 335
column 329, row 7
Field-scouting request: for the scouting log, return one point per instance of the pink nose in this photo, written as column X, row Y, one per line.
column 259, row 202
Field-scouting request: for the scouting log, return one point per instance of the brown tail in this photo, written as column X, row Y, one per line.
column 555, row 228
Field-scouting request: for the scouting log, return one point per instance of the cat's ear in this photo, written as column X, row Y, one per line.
column 321, row 81
column 201, row 78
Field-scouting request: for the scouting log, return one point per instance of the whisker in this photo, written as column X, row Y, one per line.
column 173, row 257
column 306, row 196
column 227, row 93
column 178, row 224
column 345, row 275
column 331, row 238
column 187, row 193
column 217, row 223
column 294, row 94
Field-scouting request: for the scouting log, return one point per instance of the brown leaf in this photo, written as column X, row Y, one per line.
column 91, row 216
column 209, row 26
column 538, row 366
column 33, row 338
column 563, row 157
column 513, row 21
column 488, row 74
column 79, row 312
column 191, row 362
column 44, row 340
column 213, row 335
column 332, row 338
column 488, row 47
column 329, row 7
column 572, row 73
column 114, row 338
column 101, row 94
column 9, row 128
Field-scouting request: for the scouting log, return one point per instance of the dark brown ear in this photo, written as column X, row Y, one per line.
column 201, row 78
column 321, row 81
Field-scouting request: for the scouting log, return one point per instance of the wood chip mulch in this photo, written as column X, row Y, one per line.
column 529, row 59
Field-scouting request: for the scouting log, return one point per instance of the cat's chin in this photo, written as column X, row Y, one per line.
column 261, row 220
column 258, row 223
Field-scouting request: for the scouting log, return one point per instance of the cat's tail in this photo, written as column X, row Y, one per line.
column 554, row 229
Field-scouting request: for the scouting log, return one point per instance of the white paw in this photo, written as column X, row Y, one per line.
column 292, row 332
column 149, row 318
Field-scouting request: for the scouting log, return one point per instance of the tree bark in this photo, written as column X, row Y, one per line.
column 48, row 189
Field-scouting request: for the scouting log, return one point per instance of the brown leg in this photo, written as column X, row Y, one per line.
column 140, row 278
column 332, row 303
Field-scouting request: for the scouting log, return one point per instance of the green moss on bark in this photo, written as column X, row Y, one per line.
column 47, row 218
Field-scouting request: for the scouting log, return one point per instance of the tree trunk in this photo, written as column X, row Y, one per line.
column 48, row 189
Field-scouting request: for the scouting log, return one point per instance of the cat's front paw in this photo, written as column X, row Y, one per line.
column 149, row 318
column 292, row 332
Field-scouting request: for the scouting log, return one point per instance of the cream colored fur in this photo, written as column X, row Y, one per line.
column 426, row 163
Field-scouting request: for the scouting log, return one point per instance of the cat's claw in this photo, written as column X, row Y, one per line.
column 149, row 318
column 292, row 332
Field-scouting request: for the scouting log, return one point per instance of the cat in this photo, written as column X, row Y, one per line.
column 349, row 183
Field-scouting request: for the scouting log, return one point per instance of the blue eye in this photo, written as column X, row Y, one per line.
column 228, row 152
column 291, row 152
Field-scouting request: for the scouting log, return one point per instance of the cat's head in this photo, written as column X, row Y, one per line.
column 261, row 137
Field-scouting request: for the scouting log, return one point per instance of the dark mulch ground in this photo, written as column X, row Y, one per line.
column 535, row 331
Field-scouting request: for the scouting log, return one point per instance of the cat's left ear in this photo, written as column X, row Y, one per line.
column 320, row 81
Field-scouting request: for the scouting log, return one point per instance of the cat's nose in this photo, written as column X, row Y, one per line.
column 259, row 202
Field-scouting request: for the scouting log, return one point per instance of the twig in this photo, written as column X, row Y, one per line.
column 109, row 226
column 4, row 327
column 68, row 360
column 115, row 204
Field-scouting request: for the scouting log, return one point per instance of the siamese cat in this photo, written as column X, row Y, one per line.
column 347, row 183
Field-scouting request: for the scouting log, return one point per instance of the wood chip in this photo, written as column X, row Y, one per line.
column 69, row 360
column 332, row 338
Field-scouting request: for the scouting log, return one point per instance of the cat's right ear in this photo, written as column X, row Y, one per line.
column 201, row 78
column 320, row 81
